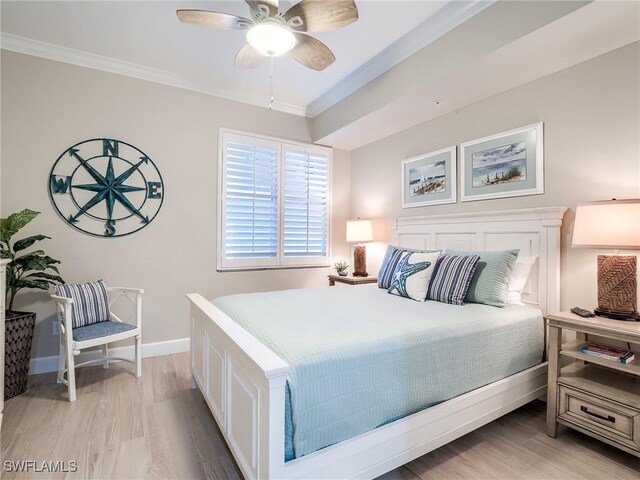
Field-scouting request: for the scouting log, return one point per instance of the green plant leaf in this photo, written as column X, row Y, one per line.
column 35, row 253
column 14, row 222
column 40, row 284
column 27, row 242
column 19, row 262
column 46, row 276
column 27, row 271
column 36, row 262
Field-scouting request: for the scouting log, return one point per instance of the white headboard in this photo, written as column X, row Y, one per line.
column 535, row 231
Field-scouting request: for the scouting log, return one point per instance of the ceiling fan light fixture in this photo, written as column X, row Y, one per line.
column 271, row 39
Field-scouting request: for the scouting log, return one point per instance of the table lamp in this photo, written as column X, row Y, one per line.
column 612, row 224
column 359, row 231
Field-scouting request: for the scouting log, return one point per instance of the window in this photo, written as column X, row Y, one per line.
column 274, row 203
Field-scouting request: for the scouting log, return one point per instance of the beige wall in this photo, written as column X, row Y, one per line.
column 591, row 115
column 592, row 143
column 49, row 106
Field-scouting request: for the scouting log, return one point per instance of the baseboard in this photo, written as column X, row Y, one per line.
column 50, row 364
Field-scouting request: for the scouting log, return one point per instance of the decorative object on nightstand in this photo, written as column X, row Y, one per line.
column 594, row 395
column 612, row 224
column 341, row 268
column 359, row 231
column 349, row 280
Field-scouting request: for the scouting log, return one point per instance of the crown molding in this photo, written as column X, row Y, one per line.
column 444, row 20
column 28, row 46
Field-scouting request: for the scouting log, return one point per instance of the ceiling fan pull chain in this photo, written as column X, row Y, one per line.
column 271, row 85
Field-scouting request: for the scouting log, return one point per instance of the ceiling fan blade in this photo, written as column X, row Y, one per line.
column 320, row 16
column 271, row 5
column 206, row 18
column 249, row 57
column 312, row 53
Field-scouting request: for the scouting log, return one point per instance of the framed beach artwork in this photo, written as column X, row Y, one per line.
column 429, row 179
column 508, row 164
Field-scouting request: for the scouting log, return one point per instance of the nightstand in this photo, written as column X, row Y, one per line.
column 593, row 395
column 350, row 280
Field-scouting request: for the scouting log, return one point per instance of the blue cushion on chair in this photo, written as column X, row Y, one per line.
column 90, row 302
column 98, row 330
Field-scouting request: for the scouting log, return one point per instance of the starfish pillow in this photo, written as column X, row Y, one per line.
column 412, row 275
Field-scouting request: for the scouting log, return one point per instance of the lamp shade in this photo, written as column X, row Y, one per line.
column 608, row 224
column 359, row 231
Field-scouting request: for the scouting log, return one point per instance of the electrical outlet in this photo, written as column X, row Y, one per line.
column 55, row 328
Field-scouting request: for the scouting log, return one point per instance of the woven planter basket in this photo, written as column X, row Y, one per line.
column 17, row 351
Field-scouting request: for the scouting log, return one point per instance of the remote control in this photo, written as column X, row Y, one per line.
column 583, row 312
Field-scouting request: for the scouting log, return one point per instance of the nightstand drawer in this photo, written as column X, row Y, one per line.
column 611, row 420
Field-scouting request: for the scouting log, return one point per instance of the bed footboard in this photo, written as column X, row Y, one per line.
column 243, row 382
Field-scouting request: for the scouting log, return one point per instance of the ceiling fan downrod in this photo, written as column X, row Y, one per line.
column 271, row 84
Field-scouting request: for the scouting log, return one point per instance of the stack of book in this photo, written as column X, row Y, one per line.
column 608, row 352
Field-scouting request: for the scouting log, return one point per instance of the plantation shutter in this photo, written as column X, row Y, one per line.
column 306, row 204
column 250, row 231
column 273, row 203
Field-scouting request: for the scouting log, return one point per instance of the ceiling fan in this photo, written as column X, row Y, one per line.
column 272, row 33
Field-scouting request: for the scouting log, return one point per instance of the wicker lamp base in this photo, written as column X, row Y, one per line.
column 360, row 261
column 617, row 287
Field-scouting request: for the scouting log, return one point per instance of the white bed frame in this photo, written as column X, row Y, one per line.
column 243, row 382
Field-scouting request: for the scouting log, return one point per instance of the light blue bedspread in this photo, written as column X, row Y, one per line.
column 360, row 357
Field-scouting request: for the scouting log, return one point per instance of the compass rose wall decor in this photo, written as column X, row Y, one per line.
column 106, row 187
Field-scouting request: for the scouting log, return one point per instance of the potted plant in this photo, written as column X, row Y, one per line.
column 341, row 268
column 28, row 269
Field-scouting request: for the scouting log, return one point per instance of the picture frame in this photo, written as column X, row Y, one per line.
column 507, row 164
column 430, row 179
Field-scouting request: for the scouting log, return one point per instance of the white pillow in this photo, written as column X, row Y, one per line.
column 412, row 275
column 519, row 276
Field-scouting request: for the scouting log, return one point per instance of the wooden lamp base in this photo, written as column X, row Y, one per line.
column 617, row 287
column 360, row 261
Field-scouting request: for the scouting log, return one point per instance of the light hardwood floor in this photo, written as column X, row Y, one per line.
column 157, row 427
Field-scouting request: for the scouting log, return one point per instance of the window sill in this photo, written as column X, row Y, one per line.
column 279, row 267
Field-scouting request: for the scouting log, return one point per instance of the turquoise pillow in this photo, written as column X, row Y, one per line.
column 490, row 282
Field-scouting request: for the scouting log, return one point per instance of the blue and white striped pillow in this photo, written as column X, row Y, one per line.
column 388, row 267
column 90, row 302
column 452, row 277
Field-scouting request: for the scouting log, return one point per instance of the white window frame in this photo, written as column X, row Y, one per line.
column 280, row 261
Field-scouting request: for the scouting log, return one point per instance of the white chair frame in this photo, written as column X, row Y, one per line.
column 69, row 348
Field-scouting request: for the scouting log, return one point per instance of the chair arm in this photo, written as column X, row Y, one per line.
column 65, row 305
column 126, row 289
column 62, row 300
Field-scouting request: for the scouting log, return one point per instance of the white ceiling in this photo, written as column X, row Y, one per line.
column 417, row 51
column 592, row 29
column 148, row 34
